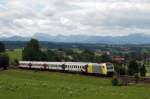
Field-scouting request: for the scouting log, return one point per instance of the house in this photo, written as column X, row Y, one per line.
column 118, row 59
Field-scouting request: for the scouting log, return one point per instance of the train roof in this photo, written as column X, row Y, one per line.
column 68, row 63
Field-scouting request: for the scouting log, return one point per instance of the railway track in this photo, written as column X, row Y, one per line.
column 134, row 80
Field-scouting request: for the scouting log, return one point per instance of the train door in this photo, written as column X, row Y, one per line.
column 63, row 66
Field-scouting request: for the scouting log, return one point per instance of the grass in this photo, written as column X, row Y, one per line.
column 24, row 84
column 15, row 54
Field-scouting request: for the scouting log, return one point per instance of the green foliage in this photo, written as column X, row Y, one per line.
column 120, row 69
column 106, row 58
column 15, row 54
column 133, row 68
column 2, row 47
column 97, row 59
column 15, row 62
column 32, row 51
column 4, row 61
column 86, row 56
column 115, row 81
column 137, row 77
column 143, row 71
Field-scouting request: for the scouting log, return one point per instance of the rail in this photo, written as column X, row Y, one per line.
column 134, row 80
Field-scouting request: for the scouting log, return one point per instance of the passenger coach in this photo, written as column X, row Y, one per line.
column 90, row 68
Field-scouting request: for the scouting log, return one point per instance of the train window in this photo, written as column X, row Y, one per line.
column 109, row 67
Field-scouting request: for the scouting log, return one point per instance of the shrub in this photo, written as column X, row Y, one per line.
column 137, row 77
column 115, row 81
column 143, row 71
column 15, row 62
column 133, row 68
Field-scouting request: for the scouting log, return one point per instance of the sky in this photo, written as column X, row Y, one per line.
column 74, row 17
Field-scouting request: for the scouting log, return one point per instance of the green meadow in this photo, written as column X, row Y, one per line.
column 31, row 84
column 15, row 54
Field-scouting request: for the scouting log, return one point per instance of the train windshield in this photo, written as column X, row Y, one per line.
column 110, row 66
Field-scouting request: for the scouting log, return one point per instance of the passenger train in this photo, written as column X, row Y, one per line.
column 81, row 67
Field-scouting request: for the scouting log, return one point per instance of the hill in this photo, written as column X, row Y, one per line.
column 24, row 84
column 129, row 39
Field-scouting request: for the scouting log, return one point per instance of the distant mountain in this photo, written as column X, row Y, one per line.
column 130, row 39
column 14, row 38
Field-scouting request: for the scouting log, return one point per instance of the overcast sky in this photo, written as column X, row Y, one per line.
column 71, row 17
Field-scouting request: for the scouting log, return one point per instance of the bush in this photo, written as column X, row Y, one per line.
column 143, row 71
column 133, row 68
column 15, row 62
column 115, row 81
column 120, row 69
column 137, row 77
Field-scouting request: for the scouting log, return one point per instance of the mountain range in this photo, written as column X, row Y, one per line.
column 129, row 39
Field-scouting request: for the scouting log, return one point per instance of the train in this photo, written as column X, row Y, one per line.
column 80, row 67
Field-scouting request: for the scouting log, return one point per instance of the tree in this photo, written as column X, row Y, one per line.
column 32, row 51
column 133, row 68
column 106, row 58
column 4, row 61
column 120, row 69
column 97, row 59
column 143, row 71
column 2, row 47
column 86, row 56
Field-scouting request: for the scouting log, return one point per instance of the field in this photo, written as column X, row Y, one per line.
column 27, row 84
column 15, row 54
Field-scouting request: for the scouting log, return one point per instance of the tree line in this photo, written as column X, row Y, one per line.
column 33, row 52
column 4, row 59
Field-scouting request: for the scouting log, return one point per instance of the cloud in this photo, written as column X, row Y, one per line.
column 72, row 17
